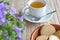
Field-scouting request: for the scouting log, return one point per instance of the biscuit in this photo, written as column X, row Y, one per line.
column 58, row 33
column 53, row 37
column 47, row 29
column 42, row 37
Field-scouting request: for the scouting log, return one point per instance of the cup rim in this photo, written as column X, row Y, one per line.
column 38, row 8
column 37, row 1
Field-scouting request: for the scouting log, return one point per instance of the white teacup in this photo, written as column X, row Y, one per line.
column 36, row 12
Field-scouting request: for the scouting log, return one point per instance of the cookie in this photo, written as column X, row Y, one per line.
column 47, row 29
column 58, row 33
column 53, row 37
column 42, row 37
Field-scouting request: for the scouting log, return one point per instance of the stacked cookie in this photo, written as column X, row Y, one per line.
column 48, row 32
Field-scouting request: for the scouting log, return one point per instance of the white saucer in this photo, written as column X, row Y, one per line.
column 44, row 19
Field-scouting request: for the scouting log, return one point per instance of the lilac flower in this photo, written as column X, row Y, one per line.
column 8, row 38
column 20, row 38
column 6, row 7
column 4, row 13
column 2, row 21
column 13, row 11
column 18, row 31
column 20, row 18
column 5, row 33
column 8, row 22
column 3, row 6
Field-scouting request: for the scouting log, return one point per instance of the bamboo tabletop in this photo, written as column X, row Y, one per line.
column 29, row 27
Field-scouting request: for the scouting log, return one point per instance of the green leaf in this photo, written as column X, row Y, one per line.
column 2, row 39
column 13, row 35
column 20, row 24
column 8, row 16
column 9, row 32
column 1, row 1
column 7, row 3
column 1, row 32
column 11, row 17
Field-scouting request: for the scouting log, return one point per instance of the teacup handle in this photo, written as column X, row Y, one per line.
column 26, row 10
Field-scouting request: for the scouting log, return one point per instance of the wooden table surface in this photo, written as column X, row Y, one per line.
column 29, row 27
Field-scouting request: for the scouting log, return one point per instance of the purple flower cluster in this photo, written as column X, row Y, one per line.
column 13, row 11
column 3, row 9
column 20, row 18
column 3, row 20
column 5, row 35
column 19, row 32
column 3, row 13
